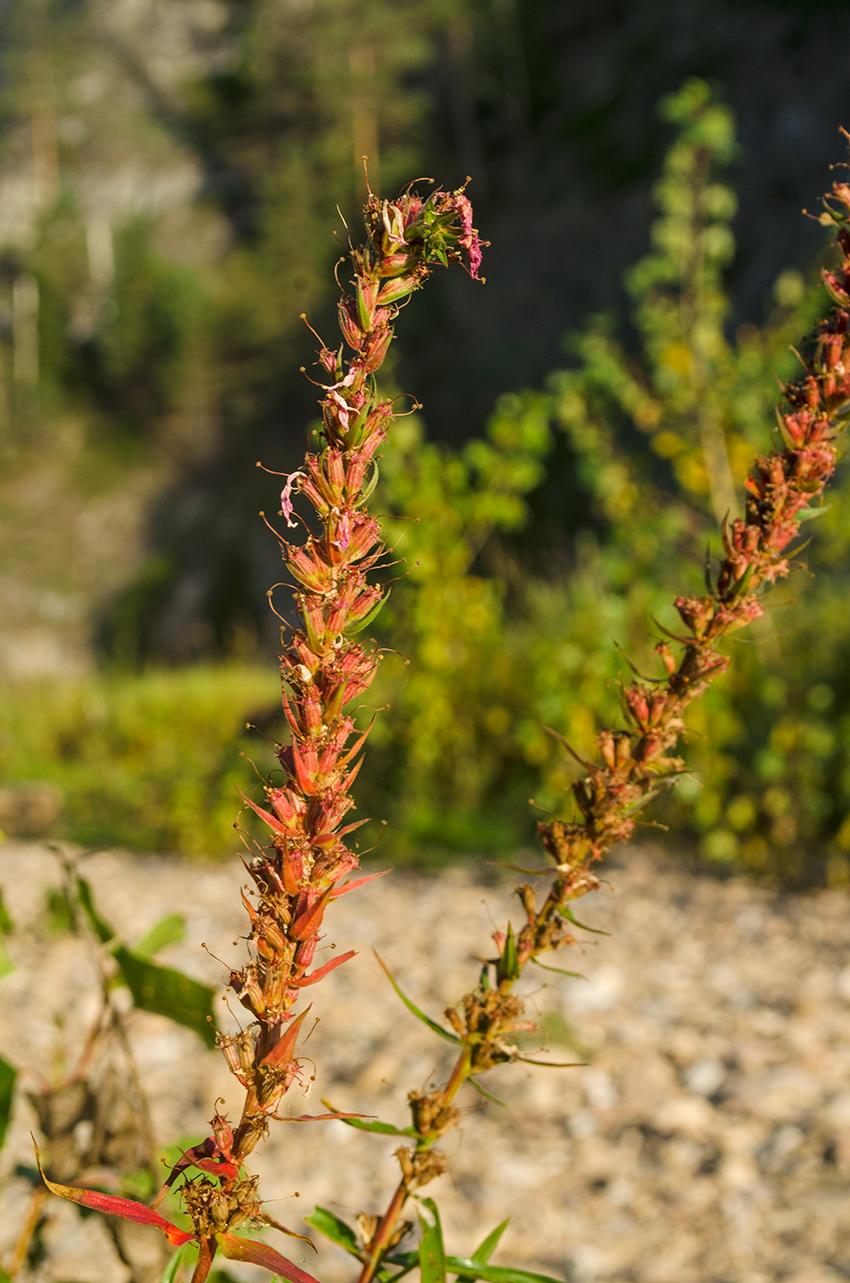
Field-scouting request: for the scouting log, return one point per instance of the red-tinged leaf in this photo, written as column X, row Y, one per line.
column 303, row 779
column 309, row 922
column 290, row 716
column 276, row 1225
column 582, row 761
column 351, row 828
column 315, row 1118
column 352, row 752
column 254, row 1253
column 282, row 1051
column 112, row 1205
column 351, row 777
column 266, row 816
column 321, row 972
column 357, row 882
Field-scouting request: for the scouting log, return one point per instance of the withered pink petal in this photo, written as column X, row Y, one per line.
column 286, row 496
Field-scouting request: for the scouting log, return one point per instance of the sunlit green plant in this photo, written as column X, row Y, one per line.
column 304, row 863
column 659, row 436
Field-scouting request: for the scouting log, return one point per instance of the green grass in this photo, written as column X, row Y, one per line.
column 150, row 762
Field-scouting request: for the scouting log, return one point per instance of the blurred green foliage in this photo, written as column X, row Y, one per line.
column 653, row 426
column 660, row 444
column 150, row 762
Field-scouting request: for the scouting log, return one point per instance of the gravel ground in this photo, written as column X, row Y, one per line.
column 708, row 1138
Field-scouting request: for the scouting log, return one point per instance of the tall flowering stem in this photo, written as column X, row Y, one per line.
column 301, row 870
column 631, row 765
column 323, row 665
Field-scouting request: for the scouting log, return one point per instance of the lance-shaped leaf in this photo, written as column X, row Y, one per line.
column 8, row 1074
column 112, row 1205
column 411, row 1006
column 315, row 1118
column 310, row 920
column 554, row 1064
column 101, row 928
column 162, row 990
column 321, row 972
column 568, row 913
column 370, row 1124
column 169, row 930
column 561, row 971
column 351, row 630
column 281, row 1053
column 336, row 1230
column 508, row 967
column 432, row 1254
column 488, row 1095
column 469, row 1268
column 809, row 514
column 485, row 1250
column 276, row 825
column 357, row 882
column 254, row 1253
column 168, row 993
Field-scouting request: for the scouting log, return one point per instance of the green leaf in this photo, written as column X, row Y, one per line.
column 809, row 514
column 375, row 1125
column 172, row 1269
column 6, row 963
column 169, row 930
column 509, row 961
column 411, row 1006
column 432, row 1254
column 102, row 929
column 406, row 1260
column 560, row 970
column 486, row 1249
column 468, row 1268
column 368, row 489
column 741, row 586
column 335, row 1229
column 8, row 1074
column 568, row 913
column 6, row 927
column 353, row 629
column 168, row 993
column 554, row 1064
column 488, row 1095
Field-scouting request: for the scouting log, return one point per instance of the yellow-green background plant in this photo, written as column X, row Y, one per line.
column 502, row 641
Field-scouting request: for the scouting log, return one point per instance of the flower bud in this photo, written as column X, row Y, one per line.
column 667, row 657
column 349, row 323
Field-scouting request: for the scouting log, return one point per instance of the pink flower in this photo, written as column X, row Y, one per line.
column 286, row 497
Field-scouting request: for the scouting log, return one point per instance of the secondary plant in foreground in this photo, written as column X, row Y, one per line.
column 301, row 870
column 324, row 667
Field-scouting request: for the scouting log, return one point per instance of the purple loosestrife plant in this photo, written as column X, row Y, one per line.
column 782, row 493
column 301, row 871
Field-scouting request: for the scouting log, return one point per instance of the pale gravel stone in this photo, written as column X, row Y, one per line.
column 708, row 1138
